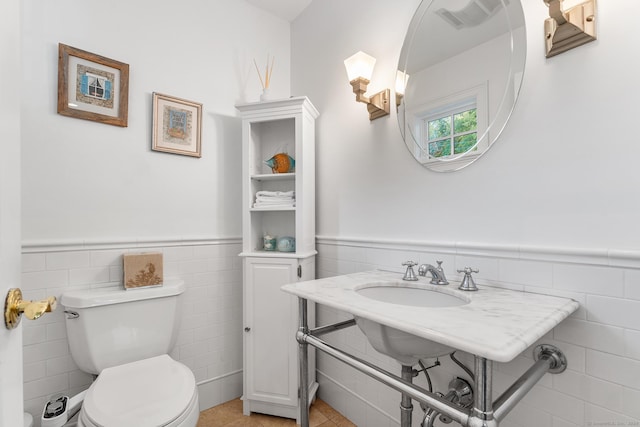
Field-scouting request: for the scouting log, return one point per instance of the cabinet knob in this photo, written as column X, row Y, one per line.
column 247, row 329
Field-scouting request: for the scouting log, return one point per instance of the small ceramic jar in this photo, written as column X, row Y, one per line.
column 269, row 243
column 287, row 244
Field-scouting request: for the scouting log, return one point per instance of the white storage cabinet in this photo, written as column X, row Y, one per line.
column 270, row 315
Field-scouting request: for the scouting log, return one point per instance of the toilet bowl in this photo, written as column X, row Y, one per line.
column 147, row 393
column 124, row 337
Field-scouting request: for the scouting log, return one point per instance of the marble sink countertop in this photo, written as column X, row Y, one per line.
column 497, row 324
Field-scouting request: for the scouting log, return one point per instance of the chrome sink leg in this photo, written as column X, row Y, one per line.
column 406, row 408
column 303, row 363
column 482, row 412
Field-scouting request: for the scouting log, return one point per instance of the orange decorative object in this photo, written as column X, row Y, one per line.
column 281, row 163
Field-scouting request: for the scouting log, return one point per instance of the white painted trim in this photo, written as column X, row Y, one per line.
column 602, row 257
column 36, row 246
column 219, row 377
column 357, row 396
column 590, row 256
column 215, row 391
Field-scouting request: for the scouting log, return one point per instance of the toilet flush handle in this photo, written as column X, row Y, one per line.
column 71, row 314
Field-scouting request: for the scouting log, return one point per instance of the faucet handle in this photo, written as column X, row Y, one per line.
column 468, row 284
column 410, row 275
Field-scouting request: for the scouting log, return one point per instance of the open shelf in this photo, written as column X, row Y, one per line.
column 273, row 176
column 272, row 209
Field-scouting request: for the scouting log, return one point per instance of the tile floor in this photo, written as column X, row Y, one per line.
column 229, row 414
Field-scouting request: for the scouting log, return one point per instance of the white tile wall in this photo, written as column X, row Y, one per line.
column 601, row 340
column 210, row 338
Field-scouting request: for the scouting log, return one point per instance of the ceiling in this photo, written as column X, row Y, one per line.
column 285, row 9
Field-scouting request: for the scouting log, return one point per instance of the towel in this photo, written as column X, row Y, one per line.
column 275, row 199
column 287, row 194
column 275, row 204
column 259, row 205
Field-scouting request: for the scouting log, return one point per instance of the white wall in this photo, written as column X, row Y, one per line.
column 85, row 181
column 562, row 174
column 551, row 208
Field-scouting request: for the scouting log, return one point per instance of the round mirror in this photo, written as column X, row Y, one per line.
column 460, row 71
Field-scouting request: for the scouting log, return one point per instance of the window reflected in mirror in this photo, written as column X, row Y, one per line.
column 450, row 126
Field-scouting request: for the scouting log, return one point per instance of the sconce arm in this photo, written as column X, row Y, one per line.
column 377, row 104
column 555, row 11
column 359, row 88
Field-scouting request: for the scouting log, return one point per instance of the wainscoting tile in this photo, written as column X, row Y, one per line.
column 589, row 279
column 591, row 335
column 614, row 311
column 616, row 369
column 67, row 260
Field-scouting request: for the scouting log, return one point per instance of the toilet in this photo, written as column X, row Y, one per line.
column 123, row 336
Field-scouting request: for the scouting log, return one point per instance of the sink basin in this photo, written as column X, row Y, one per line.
column 402, row 346
column 415, row 297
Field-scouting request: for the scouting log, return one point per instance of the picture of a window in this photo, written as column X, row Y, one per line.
column 95, row 86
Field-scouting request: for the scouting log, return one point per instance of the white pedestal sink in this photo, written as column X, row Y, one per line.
column 402, row 346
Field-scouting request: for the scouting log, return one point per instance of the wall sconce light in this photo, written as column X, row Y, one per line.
column 401, row 85
column 359, row 69
column 565, row 30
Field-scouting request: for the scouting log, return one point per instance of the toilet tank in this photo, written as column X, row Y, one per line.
column 112, row 326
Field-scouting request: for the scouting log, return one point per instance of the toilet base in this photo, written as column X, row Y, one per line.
column 189, row 418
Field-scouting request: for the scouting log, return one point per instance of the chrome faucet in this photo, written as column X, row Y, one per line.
column 409, row 274
column 437, row 273
column 468, row 284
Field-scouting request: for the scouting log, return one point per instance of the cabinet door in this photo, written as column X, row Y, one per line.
column 270, row 327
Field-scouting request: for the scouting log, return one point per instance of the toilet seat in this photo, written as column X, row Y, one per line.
column 154, row 392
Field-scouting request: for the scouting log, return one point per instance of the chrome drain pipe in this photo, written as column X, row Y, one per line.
column 406, row 407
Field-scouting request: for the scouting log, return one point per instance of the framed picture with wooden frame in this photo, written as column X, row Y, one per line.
column 177, row 125
column 92, row 87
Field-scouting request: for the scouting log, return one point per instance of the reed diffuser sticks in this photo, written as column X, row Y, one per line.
column 268, row 72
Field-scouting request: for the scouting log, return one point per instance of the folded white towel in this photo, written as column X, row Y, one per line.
column 274, row 205
column 275, row 202
column 289, row 194
column 274, row 199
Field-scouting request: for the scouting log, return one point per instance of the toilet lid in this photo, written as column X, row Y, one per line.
column 149, row 392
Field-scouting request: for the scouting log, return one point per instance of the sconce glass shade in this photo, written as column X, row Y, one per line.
column 360, row 65
column 401, row 81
